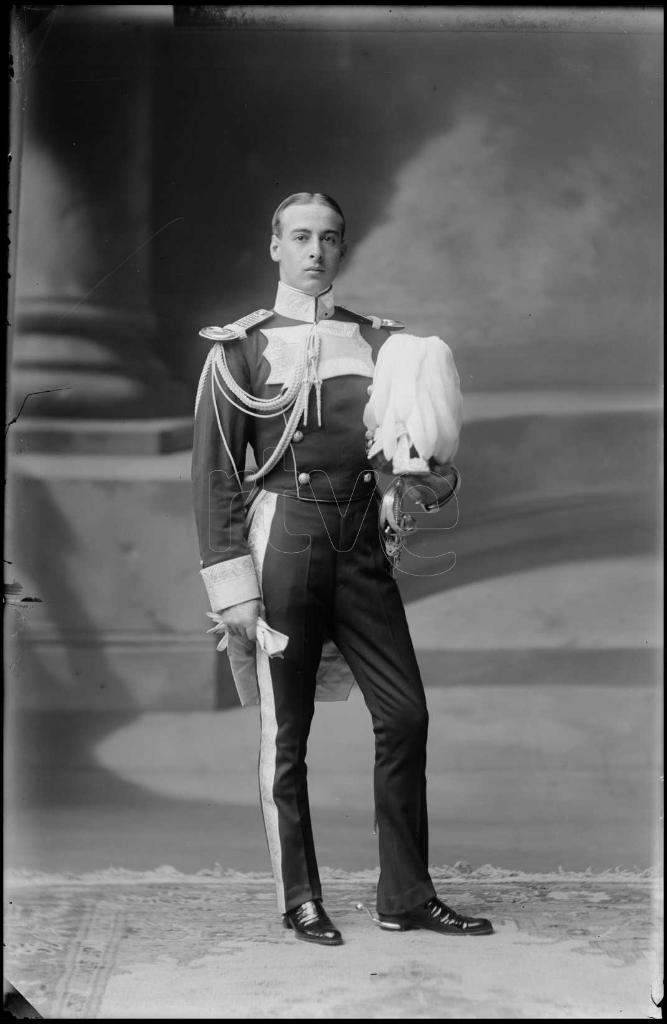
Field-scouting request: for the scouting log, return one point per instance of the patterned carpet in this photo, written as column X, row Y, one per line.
column 158, row 945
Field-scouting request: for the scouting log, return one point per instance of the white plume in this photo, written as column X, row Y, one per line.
column 416, row 400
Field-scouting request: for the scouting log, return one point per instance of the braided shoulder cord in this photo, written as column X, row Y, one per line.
column 295, row 394
column 283, row 443
column 305, row 378
column 202, row 380
column 263, row 406
column 220, row 380
column 222, row 433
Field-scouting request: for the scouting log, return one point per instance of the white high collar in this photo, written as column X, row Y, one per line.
column 296, row 305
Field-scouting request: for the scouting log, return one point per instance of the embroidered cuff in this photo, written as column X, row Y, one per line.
column 230, row 582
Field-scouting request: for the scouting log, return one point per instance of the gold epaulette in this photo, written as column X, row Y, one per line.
column 238, row 329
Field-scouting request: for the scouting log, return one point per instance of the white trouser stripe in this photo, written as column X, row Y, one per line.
column 258, row 538
column 267, row 772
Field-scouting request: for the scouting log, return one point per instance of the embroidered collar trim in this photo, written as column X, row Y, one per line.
column 296, row 305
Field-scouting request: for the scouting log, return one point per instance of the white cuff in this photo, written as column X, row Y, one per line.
column 231, row 582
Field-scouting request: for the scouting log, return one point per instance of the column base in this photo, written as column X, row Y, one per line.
column 72, row 360
column 106, row 609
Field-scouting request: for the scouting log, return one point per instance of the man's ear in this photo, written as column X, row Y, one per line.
column 343, row 249
column 274, row 248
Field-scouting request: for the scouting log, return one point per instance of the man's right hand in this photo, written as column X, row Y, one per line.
column 241, row 619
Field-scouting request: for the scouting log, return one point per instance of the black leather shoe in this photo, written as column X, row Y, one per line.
column 311, row 922
column 437, row 917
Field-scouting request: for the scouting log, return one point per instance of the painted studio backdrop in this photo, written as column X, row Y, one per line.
column 501, row 185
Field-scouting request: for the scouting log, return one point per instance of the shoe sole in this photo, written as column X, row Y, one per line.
column 318, row 942
column 399, row 926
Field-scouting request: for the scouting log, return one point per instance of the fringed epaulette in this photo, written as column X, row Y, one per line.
column 377, row 322
column 239, row 329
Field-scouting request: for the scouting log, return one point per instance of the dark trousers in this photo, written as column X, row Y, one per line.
column 323, row 574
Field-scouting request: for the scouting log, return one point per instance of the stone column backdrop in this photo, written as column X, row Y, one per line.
column 103, row 571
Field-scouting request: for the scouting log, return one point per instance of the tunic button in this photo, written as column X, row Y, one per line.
column 304, row 478
column 298, row 436
column 369, row 389
column 367, row 477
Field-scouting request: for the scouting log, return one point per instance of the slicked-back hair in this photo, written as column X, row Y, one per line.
column 303, row 199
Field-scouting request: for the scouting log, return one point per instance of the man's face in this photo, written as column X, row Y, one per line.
column 310, row 248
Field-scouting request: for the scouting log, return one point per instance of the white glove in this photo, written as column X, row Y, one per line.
column 271, row 641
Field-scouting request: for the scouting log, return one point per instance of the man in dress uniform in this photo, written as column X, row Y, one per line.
column 299, row 562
